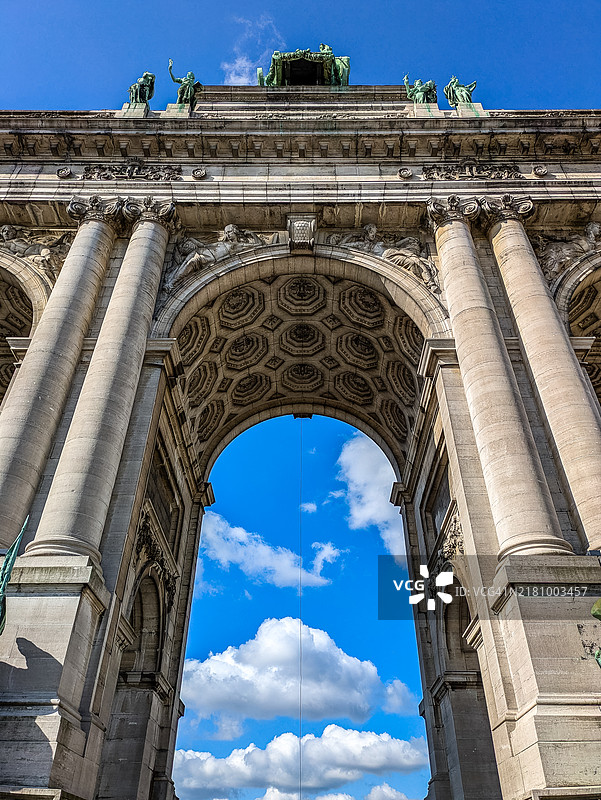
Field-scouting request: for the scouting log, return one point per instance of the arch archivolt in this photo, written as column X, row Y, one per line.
column 36, row 286
column 22, row 299
column 268, row 333
column 578, row 296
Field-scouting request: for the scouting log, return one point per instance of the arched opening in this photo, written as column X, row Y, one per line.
column 584, row 316
column 16, row 319
column 127, row 759
column 299, row 502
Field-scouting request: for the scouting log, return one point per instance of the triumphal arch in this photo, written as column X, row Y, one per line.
column 170, row 278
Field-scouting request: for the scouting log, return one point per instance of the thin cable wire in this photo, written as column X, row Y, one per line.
column 300, row 618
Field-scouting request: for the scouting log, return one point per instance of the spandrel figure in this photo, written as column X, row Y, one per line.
column 421, row 92
column 456, row 92
column 188, row 86
column 143, row 89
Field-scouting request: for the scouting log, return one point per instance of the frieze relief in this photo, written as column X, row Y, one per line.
column 556, row 254
column 406, row 252
column 133, row 169
column 45, row 250
column 193, row 255
column 471, row 170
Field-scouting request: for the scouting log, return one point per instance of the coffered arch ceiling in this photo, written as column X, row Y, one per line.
column 16, row 317
column 305, row 343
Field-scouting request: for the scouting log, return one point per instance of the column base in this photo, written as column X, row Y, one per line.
column 54, row 608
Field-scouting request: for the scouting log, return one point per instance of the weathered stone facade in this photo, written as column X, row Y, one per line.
column 168, row 279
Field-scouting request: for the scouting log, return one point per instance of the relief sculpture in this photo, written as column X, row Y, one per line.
column 406, row 252
column 556, row 255
column 192, row 255
column 43, row 249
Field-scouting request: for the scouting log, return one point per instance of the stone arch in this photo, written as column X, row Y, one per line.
column 138, row 697
column 280, row 353
column 17, row 315
column 36, row 286
column 409, row 293
column 578, row 296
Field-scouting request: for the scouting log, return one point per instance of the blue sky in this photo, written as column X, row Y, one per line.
column 71, row 54
column 316, row 489
column 360, row 675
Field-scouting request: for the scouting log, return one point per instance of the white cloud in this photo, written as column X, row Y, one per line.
column 398, row 698
column 275, row 794
column 385, row 792
column 329, row 761
column 252, row 49
column 326, row 554
column 369, row 476
column 228, row 544
column 260, row 679
column 309, row 508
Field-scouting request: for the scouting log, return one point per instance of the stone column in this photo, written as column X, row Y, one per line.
column 571, row 411
column 35, row 403
column 77, row 505
column 520, row 500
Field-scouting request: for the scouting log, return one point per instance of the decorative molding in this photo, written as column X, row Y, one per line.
column 148, row 542
column 471, row 170
column 134, row 169
column 301, row 230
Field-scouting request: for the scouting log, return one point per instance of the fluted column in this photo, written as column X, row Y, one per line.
column 76, row 508
column 35, row 403
column 520, row 500
column 571, row 411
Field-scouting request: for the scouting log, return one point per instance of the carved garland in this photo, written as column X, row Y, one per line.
column 147, row 542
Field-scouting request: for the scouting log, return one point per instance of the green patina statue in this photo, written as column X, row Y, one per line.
column 421, row 92
column 456, row 92
column 188, row 87
column 143, row 89
column 306, row 68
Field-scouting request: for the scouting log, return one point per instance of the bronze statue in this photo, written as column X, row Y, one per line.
column 421, row 92
column 188, row 86
column 143, row 89
column 456, row 92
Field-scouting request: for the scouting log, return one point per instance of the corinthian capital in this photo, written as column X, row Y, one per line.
column 453, row 209
column 149, row 209
column 97, row 208
column 500, row 209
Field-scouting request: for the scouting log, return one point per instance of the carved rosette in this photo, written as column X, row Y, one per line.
column 501, row 209
column 453, row 209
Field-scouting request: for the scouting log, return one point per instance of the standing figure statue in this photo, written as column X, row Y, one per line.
column 456, row 92
column 143, row 89
column 421, row 92
column 188, row 88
